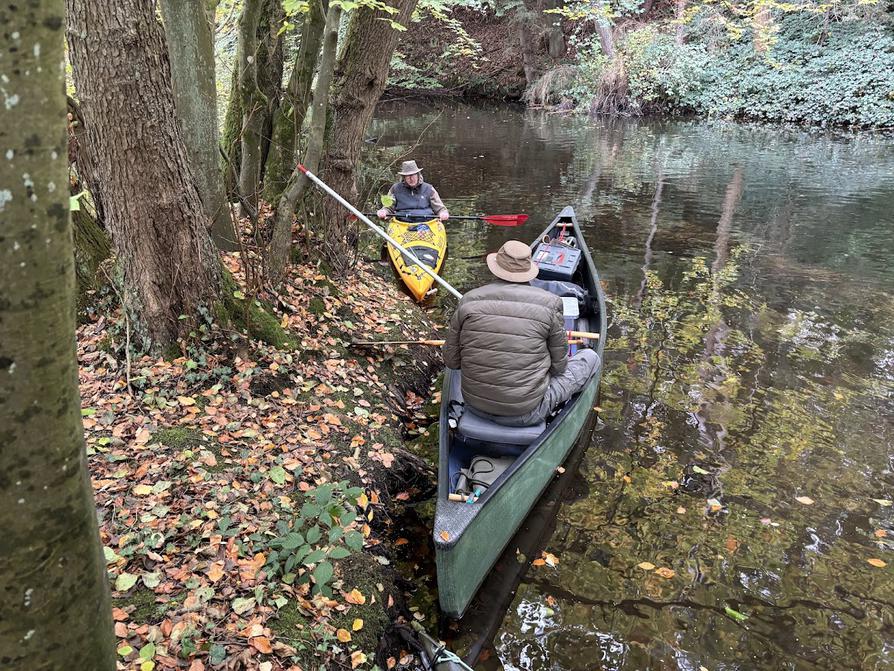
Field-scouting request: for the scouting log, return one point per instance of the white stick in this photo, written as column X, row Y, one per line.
column 378, row 231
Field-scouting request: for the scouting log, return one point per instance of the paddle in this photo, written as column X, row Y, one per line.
column 494, row 219
column 378, row 231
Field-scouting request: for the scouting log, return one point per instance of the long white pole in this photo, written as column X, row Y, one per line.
column 378, row 231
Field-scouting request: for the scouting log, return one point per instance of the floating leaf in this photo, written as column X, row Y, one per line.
column 666, row 573
column 806, row 500
column 700, row 470
column 880, row 533
column 646, row 566
column 734, row 614
column 878, row 563
column 886, row 503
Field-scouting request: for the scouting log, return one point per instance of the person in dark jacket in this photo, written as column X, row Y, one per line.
column 508, row 339
column 413, row 196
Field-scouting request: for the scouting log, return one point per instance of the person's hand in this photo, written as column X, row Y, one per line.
column 443, row 215
column 382, row 214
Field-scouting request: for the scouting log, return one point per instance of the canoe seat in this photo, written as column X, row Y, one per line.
column 478, row 428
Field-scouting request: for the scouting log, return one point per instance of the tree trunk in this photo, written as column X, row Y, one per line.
column 190, row 35
column 289, row 117
column 230, row 138
column 360, row 78
column 250, row 101
column 260, row 76
column 54, row 596
column 153, row 210
column 680, row 11
column 281, row 244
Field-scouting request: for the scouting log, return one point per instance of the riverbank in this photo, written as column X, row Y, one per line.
column 244, row 491
column 808, row 67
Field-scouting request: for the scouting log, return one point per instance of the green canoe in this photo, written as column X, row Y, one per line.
column 469, row 537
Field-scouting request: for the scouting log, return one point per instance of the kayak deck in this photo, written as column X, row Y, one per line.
column 427, row 240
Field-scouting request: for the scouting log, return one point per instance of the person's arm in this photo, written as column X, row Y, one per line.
column 385, row 212
column 558, row 345
column 437, row 205
column 450, row 350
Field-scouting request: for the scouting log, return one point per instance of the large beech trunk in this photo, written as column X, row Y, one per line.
column 152, row 206
column 54, row 595
column 189, row 28
column 360, row 78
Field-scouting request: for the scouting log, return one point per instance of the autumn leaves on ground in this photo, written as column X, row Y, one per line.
column 238, row 484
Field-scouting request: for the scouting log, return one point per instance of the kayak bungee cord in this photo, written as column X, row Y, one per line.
column 378, row 231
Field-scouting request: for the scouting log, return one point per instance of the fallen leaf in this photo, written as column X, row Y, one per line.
column 118, row 615
column 734, row 614
column 806, row 500
column 262, row 644
column 356, row 597
column 400, row 541
column 878, row 563
column 357, row 658
column 125, row 581
column 357, row 624
column 880, row 533
column 186, row 400
column 445, row 535
column 550, row 559
column 215, row 571
column 343, row 635
column 681, row 510
column 886, row 503
column 665, row 572
column 142, row 490
column 538, row 562
column 646, row 566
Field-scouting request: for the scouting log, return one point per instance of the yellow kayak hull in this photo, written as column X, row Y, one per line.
column 428, row 241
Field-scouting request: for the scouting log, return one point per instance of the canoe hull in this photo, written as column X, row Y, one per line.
column 463, row 566
column 428, row 241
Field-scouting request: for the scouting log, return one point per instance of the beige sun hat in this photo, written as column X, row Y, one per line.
column 408, row 168
column 513, row 262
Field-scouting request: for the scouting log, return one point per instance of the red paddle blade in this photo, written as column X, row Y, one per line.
column 506, row 219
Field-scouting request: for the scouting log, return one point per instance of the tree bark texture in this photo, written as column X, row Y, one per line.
column 153, row 210
column 54, row 596
column 289, row 117
column 281, row 243
column 190, row 35
column 260, row 77
column 360, row 78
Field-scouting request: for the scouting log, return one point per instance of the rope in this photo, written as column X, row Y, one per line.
column 444, row 655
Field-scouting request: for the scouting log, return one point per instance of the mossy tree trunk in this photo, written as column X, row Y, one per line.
column 54, row 596
column 230, row 141
column 289, row 117
column 360, row 78
column 260, row 75
column 153, row 210
column 281, row 244
column 189, row 28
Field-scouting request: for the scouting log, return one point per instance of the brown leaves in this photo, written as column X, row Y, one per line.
column 355, row 597
column 664, row 572
column 878, row 563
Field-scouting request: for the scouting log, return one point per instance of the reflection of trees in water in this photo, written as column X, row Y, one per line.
column 800, row 434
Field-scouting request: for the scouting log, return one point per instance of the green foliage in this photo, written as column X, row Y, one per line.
column 305, row 548
column 836, row 74
column 407, row 76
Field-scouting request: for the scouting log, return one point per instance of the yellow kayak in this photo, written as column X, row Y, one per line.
column 428, row 241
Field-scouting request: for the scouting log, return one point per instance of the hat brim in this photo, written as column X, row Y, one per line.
column 503, row 274
column 407, row 174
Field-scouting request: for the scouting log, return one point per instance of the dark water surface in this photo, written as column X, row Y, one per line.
column 741, row 478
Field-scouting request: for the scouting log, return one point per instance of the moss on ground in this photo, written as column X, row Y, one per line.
column 179, row 437
column 250, row 316
column 145, row 609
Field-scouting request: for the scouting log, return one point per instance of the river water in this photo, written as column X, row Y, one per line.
column 733, row 509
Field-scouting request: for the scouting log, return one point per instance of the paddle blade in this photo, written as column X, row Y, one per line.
column 506, row 219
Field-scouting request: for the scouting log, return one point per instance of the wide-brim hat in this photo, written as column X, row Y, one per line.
column 513, row 262
column 408, row 168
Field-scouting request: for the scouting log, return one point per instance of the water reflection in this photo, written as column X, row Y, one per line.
column 743, row 479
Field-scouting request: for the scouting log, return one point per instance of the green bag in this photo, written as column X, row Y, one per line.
column 481, row 474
